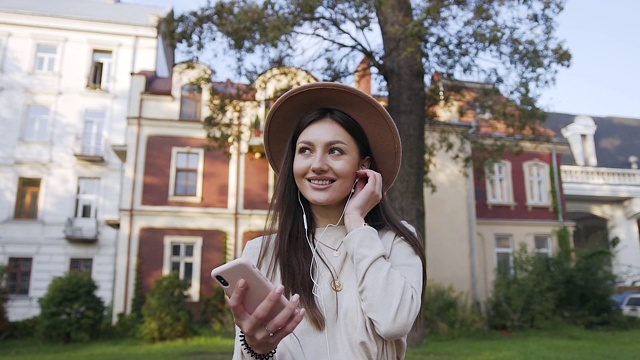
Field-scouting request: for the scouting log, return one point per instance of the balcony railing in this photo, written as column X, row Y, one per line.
column 81, row 230
column 600, row 176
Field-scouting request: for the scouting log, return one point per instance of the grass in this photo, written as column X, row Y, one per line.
column 563, row 343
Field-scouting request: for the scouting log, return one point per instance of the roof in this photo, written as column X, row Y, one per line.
column 94, row 10
column 616, row 138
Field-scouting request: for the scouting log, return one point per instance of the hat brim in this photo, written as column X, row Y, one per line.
column 379, row 127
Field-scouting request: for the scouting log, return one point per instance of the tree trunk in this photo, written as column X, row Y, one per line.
column 403, row 71
column 404, row 74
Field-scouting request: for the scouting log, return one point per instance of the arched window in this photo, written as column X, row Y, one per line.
column 190, row 102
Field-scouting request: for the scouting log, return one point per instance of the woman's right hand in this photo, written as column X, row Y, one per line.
column 263, row 334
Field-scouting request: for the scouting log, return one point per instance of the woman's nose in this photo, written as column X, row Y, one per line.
column 319, row 163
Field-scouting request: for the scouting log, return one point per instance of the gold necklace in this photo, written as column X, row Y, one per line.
column 336, row 251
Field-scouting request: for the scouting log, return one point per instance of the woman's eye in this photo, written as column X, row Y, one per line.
column 335, row 151
column 304, row 150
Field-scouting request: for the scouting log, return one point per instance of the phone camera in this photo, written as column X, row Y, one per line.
column 222, row 281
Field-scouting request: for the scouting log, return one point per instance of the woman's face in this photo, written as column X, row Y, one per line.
column 325, row 164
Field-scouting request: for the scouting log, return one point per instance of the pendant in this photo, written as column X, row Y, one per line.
column 336, row 285
column 336, row 253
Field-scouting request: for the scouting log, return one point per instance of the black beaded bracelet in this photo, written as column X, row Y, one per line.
column 252, row 353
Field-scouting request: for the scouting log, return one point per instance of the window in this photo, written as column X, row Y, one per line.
column 45, row 58
column 81, row 265
column 186, row 174
column 27, row 199
column 100, row 75
column 543, row 245
column 37, row 127
column 182, row 254
column 19, row 276
column 499, row 183
column 87, row 197
column 536, row 174
column 190, row 102
column 92, row 139
column 504, row 253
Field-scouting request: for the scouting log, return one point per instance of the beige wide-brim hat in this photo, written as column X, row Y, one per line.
column 381, row 131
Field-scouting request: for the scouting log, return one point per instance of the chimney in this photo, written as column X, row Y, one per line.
column 363, row 75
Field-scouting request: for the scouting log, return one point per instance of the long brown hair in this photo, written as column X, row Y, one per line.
column 292, row 253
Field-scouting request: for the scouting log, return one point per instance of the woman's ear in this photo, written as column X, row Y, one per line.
column 366, row 163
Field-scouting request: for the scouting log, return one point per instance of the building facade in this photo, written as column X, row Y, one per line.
column 187, row 207
column 64, row 89
column 601, row 182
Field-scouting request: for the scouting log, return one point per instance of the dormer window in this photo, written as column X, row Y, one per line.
column 580, row 136
column 190, row 102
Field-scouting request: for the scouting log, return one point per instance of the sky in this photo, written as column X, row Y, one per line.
column 604, row 39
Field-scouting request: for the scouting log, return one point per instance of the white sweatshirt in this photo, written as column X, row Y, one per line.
column 372, row 314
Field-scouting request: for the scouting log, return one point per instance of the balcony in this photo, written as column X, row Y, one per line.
column 600, row 182
column 84, row 230
column 91, row 151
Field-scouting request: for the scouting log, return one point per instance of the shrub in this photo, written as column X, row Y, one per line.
column 525, row 298
column 22, row 329
column 4, row 298
column 70, row 310
column 215, row 312
column 166, row 314
column 447, row 313
column 574, row 286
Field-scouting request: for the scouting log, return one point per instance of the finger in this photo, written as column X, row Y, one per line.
column 279, row 321
column 260, row 315
column 236, row 300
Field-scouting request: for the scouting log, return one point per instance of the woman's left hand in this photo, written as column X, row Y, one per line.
column 367, row 194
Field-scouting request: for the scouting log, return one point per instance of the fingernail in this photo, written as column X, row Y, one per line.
column 241, row 284
column 279, row 289
column 295, row 298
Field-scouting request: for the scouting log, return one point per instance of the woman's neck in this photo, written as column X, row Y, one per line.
column 328, row 215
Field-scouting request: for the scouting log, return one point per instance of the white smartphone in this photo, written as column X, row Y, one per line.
column 259, row 286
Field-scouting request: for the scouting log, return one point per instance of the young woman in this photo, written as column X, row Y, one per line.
column 352, row 272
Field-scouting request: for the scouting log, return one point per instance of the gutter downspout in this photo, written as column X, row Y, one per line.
column 471, row 207
column 133, row 190
column 556, row 183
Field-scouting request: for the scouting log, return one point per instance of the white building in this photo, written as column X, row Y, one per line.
column 65, row 77
column 601, row 183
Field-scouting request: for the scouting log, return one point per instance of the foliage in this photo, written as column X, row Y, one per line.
column 4, row 298
column 215, row 312
column 408, row 46
column 523, row 299
column 448, row 313
column 572, row 287
column 166, row 314
column 22, row 329
column 70, row 310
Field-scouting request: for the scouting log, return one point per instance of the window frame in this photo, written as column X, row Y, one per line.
column 20, row 274
column 81, row 268
column 48, row 59
column 100, row 70
column 84, row 198
column 35, row 122
column 493, row 177
column 548, row 250
column 503, row 250
column 196, row 258
column 24, row 194
column 175, row 152
column 538, row 187
column 93, row 138
column 190, row 102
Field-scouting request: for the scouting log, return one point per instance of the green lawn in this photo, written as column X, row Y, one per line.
column 565, row 343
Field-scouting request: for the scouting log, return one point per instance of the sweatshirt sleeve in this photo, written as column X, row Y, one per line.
column 389, row 276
